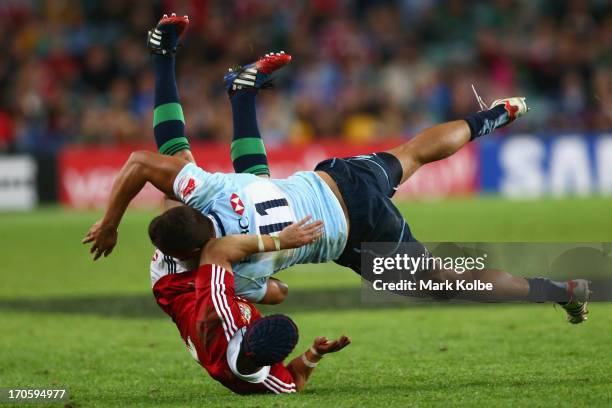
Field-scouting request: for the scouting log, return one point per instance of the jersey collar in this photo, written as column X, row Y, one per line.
column 218, row 233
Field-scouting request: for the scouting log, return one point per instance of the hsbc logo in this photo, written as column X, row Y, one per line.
column 237, row 204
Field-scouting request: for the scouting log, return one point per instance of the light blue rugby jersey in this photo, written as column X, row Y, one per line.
column 248, row 204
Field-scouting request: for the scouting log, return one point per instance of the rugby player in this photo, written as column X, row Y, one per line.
column 225, row 333
column 351, row 195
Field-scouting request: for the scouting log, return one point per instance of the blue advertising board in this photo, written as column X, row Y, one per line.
column 525, row 166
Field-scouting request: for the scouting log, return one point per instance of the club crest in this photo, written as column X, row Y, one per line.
column 245, row 311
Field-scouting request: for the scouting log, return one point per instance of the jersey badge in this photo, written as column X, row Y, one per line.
column 245, row 312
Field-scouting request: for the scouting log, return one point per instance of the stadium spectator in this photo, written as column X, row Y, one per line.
column 78, row 72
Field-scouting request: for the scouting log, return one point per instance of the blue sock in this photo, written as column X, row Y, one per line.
column 168, row 119
column 485, row 122
column 546, row 290
column 248, row 150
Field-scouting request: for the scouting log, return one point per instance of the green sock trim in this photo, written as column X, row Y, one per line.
column 247, row 145
column 178, row 149
column 168, row 111
column 258, row 169
column 174, row 145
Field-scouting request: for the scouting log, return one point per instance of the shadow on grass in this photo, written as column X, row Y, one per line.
column 144, row 306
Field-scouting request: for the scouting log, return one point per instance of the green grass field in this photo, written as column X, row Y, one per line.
column 94, row 328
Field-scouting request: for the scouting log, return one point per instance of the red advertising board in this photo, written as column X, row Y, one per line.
column 87, row 173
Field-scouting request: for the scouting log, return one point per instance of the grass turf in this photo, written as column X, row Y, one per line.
column 94, row 328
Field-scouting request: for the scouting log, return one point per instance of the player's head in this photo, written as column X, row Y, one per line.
column 269, row 340
column 181, row 232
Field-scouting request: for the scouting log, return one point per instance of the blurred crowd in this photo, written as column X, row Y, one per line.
column 78, row 71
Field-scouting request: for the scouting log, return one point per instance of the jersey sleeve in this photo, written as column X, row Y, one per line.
column 219, row 311
column 251, row 289
column 216, row 305
column 279, row 380
column 196, row 187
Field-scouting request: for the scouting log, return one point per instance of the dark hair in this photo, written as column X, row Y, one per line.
column 269, row 340
column 180, row 230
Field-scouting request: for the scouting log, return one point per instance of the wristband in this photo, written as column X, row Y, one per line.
column 307, row 362
column 260, row 244
column 314, row 352
column 276, row 240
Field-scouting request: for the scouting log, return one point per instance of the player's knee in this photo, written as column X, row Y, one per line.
column 276, row 292
column 185, row 154
column 138, row 157
column 414, row 157
column 408, row 158
column 283, row 288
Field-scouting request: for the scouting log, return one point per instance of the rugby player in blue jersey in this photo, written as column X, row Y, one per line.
column 350, row 195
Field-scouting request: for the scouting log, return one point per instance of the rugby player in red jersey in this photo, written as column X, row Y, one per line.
column 225, row 333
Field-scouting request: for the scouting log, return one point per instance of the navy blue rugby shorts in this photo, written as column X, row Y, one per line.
column 367, row 184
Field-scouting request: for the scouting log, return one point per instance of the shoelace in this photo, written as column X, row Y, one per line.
column 481, row 103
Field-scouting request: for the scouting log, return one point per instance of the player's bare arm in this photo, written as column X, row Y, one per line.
column 302, row 366
column 234, row 248
column 227, row 250
column 141, row 167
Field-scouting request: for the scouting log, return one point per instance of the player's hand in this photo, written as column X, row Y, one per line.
column 324, row 346
column 104, row 238
column 301, row 233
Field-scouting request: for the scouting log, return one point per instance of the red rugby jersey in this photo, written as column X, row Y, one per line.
column 211, row 321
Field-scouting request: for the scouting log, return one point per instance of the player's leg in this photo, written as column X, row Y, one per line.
column 441, row 141
column 168, row 118
column 572, row 295
column 248, row 152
